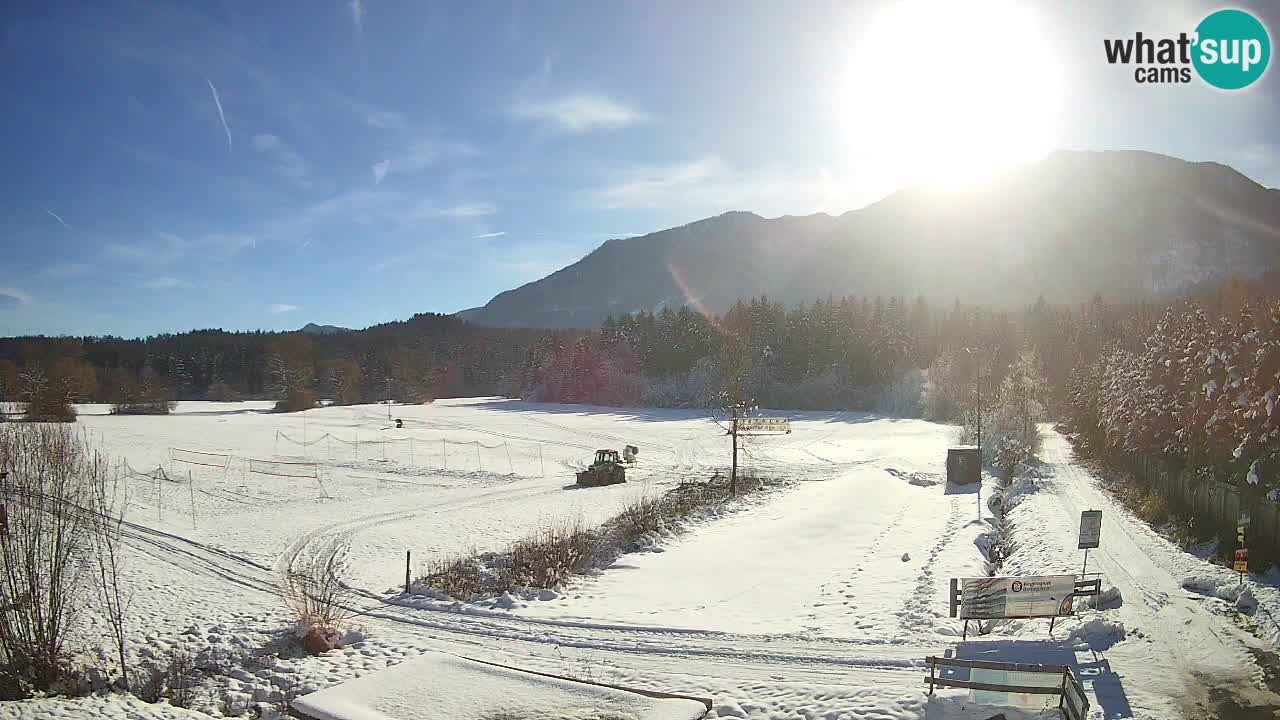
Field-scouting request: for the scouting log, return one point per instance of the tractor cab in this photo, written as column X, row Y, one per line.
column 606, row 470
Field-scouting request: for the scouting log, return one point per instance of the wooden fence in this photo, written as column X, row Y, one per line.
column 1212, row 503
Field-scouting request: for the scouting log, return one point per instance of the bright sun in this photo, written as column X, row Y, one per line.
column 947, row 93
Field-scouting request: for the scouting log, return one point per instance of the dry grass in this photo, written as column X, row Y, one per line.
column 313, row 590
column 554, row 554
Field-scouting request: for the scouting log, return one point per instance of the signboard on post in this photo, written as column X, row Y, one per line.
column 1090, row 529
column 762, row 424
column 999, row 598
column 1242, row 561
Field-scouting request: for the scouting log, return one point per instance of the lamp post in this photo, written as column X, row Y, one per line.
column 977, row 383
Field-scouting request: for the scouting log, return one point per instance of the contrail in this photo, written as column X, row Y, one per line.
column 57, row 217
column 221, row 115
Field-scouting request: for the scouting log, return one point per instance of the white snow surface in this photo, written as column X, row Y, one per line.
column 797, row 603
column 437, row 685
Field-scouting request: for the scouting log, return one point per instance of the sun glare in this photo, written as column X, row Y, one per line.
column 948, row 94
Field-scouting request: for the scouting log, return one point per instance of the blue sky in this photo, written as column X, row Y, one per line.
column 262, row 165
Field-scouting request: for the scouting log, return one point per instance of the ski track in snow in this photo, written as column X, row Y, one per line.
column 795, row 605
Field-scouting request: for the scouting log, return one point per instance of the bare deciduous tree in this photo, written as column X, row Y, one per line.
column 51, row 494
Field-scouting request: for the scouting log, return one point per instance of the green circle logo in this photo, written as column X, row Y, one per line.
column 1232, row 49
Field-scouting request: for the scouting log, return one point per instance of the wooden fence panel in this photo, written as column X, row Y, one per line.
column 1213, row 503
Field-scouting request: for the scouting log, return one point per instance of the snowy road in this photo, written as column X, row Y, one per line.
column 1181, row 645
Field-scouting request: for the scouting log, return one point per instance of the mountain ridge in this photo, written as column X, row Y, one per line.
column 1075, row 223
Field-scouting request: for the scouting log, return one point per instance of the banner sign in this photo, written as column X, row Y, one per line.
column 782, row 425
column 1090, row 529
column 997, row 598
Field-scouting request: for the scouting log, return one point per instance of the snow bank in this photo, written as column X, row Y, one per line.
column 1098, row 633
column 1232, row 591
column 437, row 685
column 1109, row 599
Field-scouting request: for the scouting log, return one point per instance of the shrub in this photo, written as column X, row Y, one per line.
column 314, row 592
column 548, row 558
column 54, row 494
column 45, row 400
column 178, row 677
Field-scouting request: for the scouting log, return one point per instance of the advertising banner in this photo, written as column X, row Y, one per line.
column 997, row 598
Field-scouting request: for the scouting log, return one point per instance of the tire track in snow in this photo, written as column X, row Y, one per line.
column 663, row 446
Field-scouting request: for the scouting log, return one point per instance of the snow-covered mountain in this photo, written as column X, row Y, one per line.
column 1123, row 224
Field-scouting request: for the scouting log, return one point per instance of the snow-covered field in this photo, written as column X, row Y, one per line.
column 818, row 601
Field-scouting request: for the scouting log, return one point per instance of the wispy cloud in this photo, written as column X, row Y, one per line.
column 579, row 113
column 422, row 153
column 281, row 308
column 384, row 119
column 163, row 283
column 288, row 163
column 12, row 297
column 380, row 170
column 708, row 185
column 217, row 101
column 489, row 235
column 356, row 7
column 168, row 248
column 57, row 217
column 464, row 211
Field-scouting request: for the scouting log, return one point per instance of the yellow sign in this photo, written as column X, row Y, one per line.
column 1242, row 566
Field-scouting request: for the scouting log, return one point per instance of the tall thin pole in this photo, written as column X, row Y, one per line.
column 388, row 397
column 977, row 384
column 733, row 473
column 977, row 381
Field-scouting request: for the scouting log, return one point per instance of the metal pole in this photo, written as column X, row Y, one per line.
column 191, row 489
column 407, row 554
column 978, row 383
column 540, row 463
column 1086, row 563
column 444, row 443
column 733, row 474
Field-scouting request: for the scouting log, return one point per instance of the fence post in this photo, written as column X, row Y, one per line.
column 510, row 464
column 444, row 443
column 540, row 463
column 407, row 555
column 191, row 489
column 478, row 463
column 411, row 460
